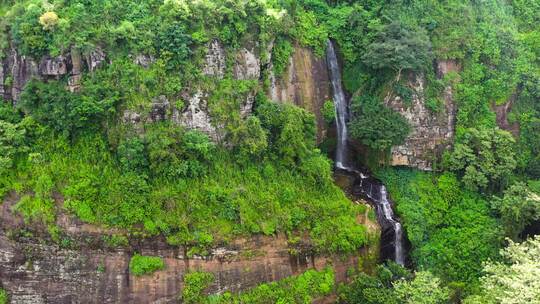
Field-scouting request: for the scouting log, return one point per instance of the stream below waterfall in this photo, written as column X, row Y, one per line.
column 364, row 185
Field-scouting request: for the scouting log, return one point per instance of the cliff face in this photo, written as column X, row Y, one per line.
column 84, row 269
column 432, row 132
column 305, row 83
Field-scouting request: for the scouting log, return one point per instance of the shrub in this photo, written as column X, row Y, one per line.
column 376, row 125
column 484, row 156
column 141, row 265
column 3, row 296
column 328, row 111
column 194, row 285
column 48, row 20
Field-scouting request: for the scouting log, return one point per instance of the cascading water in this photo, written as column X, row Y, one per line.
column 340, row 104
column 364, row 184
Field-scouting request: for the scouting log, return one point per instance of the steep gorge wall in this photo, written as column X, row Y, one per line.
column 85, row 270
column 432, row 132
column 305, row 83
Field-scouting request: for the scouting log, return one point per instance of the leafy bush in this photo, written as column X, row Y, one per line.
column 48, row 20
column 399, row 47
column 51, row 105
column 328, row 111
column 518, row 208
column 281, row 53
column 377, row 289
column 194, row 285
column 484, row 156
column 375, row 125
column 3, row 296
column 303, row 288
column 173, row 44
column 142, row 265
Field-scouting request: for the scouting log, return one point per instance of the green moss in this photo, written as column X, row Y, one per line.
column 142, row 265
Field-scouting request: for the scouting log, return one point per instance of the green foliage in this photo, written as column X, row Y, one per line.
column 225, row 199
column 300, row 289
column 51, row 105
column 27, row 32
column 377, row 289
column 281, row 52
column 309, row 32
column 423, row 289
column 131, row 155
column 173, row 44
column 143, row 265
column 195, row 284
column 399, row 47
column 451, row 229
column 3, row 296
column 375, row 125
column 484, row 156
column 328, row 111
column 518, row 208
column 513, row 280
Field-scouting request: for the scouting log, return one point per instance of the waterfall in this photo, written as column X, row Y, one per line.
column 388, row 214
column 366, row 184
column 340, row 105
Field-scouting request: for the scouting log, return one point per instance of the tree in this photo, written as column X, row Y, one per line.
column 514, row 281
column 425, row 288
column 518, row 208
column 398, row 47
column 376, row 125
column 484, row 156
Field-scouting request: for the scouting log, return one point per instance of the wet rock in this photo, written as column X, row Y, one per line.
column 22, row 69
column 74, row 80
column 160, row 109
column 3, row 78
column 95, row 59
column 56, row 66
column 305, row 83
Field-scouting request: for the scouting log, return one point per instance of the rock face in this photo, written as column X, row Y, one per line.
column 34, row 271
column 431, row 132
column 502, row 111
column 17, row 71
column 305, row 83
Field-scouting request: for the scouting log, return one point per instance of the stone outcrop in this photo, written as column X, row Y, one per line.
column 305, row 83
column 502, row 111
column 84, row 270
column 431, row 132
column 55, row 66
column 196, row 115
column 18, row 70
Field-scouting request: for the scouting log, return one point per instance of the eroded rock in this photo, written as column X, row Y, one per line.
column 215, row 60
column 305, row 83
column 56, row 66
column 432, row 132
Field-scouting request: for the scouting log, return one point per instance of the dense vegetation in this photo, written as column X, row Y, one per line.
column 140, row 265
column 297, row 289
column 3, row 296
column 262, row 172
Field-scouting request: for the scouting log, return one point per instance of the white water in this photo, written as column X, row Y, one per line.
column 384, row 208
column 340, row 104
